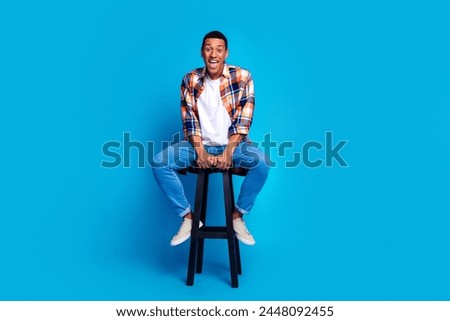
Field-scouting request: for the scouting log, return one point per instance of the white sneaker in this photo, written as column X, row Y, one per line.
column 184, row 232
column 242, row 233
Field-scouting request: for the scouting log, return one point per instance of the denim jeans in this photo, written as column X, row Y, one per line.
column 182, row 155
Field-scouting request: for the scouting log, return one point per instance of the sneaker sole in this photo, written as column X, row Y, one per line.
column 245, row 241
column 179, row 241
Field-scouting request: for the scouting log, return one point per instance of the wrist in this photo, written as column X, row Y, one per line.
column 200, row 151
column 229, row 151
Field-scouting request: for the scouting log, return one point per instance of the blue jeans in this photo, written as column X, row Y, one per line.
column 182, row 155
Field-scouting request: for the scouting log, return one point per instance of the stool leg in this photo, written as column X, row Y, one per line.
column 194, row 232
column 238, row 256
column 227, row 189
column 236, row 241
column 201, row 241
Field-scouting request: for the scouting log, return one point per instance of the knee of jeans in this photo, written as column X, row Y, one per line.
column 159, row 160
column 264, row 163
column 261, row 163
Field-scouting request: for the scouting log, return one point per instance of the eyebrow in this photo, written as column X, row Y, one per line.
column 208, row 44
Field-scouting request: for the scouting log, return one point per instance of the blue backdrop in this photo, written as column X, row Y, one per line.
column 77, row 74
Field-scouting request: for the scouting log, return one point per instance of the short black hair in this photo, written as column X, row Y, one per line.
column 215, row 34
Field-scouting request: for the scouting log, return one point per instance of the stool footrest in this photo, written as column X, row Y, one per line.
column 213, row 232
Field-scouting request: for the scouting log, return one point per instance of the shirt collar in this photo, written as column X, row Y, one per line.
column 225, row 72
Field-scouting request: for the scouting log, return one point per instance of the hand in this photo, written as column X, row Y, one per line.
column 212, row 160
column 224, row 161
column 205, row 160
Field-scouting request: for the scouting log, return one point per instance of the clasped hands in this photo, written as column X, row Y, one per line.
column 222, row 161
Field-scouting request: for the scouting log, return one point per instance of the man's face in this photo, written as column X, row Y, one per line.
column 214, row 54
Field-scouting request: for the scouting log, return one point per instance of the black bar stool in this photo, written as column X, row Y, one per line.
column 198, row 235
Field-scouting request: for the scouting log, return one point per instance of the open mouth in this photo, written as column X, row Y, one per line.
column 213, row 63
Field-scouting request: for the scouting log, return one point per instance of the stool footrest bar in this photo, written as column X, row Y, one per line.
column 213, row 232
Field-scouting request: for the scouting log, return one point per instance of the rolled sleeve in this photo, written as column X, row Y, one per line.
column 189, row 119
column 244, row 117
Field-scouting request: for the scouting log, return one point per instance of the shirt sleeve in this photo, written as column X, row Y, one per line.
column 244, row 117
column 190, row 121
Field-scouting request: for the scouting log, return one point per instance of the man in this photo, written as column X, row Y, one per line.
column 217, row 104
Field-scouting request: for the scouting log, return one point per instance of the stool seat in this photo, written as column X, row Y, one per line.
column 198, row 235
column 240, row 171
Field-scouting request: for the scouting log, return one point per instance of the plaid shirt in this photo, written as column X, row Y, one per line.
column 236, row 91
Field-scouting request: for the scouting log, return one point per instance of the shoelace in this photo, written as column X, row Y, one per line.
column 182, row 228
column 241, row 224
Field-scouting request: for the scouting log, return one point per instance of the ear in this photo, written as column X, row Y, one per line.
column 201, row 53
column 226, row 54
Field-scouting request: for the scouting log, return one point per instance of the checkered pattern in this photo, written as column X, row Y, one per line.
column 236, row 90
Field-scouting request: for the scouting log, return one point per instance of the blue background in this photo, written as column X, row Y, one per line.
column 77, row 74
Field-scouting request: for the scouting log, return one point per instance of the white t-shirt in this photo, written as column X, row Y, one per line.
column 214, row 118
